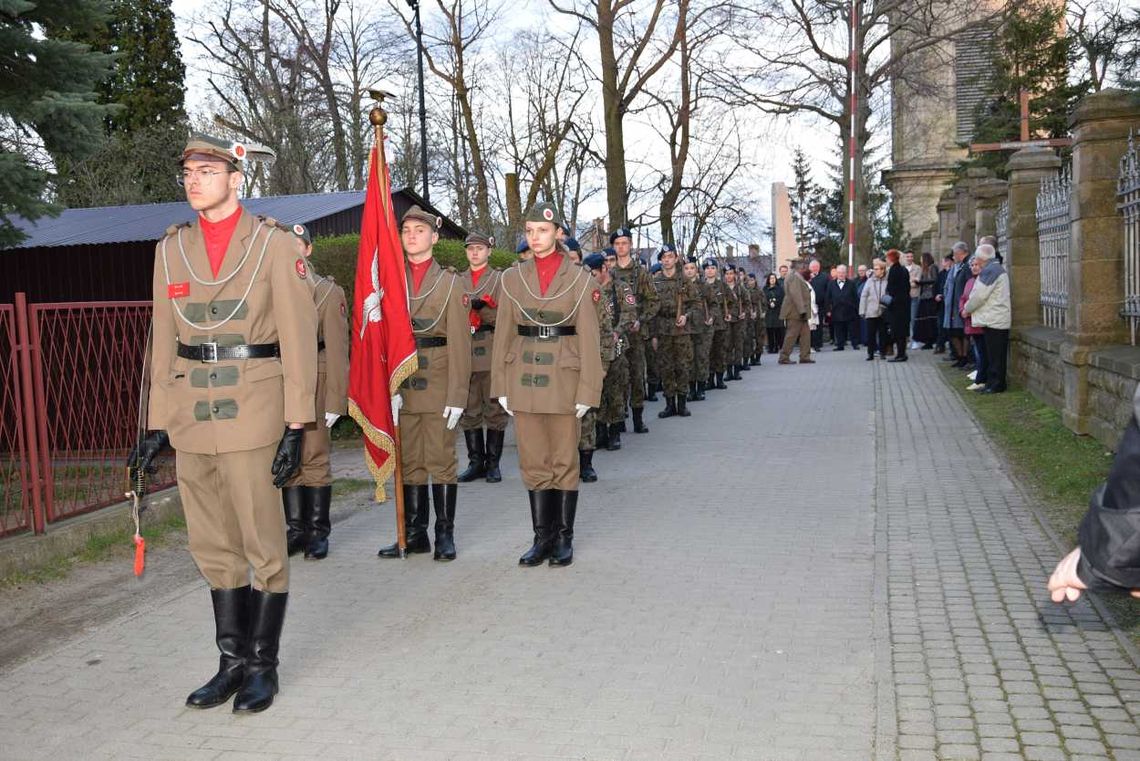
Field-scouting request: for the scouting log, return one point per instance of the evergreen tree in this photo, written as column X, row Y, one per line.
column 48, row 109
column 148, row 124
column 805, row 197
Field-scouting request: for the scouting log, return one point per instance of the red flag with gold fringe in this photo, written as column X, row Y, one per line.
column 383, row 347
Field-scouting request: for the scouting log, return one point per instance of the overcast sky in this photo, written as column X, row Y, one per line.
column 771, row 145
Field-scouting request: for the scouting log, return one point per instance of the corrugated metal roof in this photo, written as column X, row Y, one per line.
column 123, row 224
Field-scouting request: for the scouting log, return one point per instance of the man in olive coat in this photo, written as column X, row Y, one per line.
column 796, row 311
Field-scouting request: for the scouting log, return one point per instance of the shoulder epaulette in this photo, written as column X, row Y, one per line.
column 450, row 269
column 175, row 228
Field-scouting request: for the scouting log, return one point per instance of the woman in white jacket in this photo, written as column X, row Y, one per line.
column 989, row 309
column 871, row 308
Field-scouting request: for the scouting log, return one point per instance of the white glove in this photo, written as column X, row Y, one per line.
column 452, row 414
column 330, row 419
column 503, row 404
column 397, row 403
column 580, row 410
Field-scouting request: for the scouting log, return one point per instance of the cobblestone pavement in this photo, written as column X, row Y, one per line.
column 729, row 600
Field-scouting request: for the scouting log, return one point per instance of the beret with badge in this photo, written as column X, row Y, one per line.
column 203, row 147
column 594, row 261
column 416, row 214
column 479, row 239
column 544, row 212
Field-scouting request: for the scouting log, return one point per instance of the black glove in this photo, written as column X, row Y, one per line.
column 142, row 456
column 287, row 461
column 478, row 304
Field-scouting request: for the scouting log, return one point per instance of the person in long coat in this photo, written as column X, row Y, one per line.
column 773, row 301
column 898, row 304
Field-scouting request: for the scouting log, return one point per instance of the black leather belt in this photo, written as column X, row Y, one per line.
column 547, row 331
column 430, row 342
column 484, row 329
column 211, row 353
column 320, row 346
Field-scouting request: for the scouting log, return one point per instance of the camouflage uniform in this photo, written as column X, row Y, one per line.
column 621, row 311
column 715, row 296
column 702, row 334
column 746, row 336
column 760, row 308
column 675, row 347
column 588, row 438
column 640, row 283
column 733, row 339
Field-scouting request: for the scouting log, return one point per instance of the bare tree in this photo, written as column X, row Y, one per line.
column 1102, row 33
column 635, row 40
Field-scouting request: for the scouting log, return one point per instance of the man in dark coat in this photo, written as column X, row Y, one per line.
column 843, row 304
column 939, row 291
column 898, row 310
column 818, row 281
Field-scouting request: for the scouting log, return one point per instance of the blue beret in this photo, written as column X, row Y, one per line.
column 621, row 232
column 522, row 246
column 655, row 268
column 667, row 248
column 691, row 259
column 572, row 244
column 594, row 261
column 608, row 251
column 710, row 263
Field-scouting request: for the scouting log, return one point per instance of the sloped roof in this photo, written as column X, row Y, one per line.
column 147, row 222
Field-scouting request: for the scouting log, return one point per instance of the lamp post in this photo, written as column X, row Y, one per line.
column 415, row 6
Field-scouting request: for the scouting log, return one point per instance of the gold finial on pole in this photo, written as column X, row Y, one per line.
column 378, row 116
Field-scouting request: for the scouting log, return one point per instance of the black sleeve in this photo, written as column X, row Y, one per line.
column 1110, row 531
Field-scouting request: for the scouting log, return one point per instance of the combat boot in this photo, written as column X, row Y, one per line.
column 566, row 506
column 542, row 518
column 476, row 456
column 744, row 366
column 293, row 498
column 651, row 395
column 602, row 435
column 494, row 453
column 670, row 408
column 692, row 392
column 756, row 359
column 586, row 470
column 733, row 373
column 613, row 443
column 266, row 619
column 720, row 382
column 444, row 496
column 639, row 424
column 318, row 500
column 416, row 509
column 700, row 391
column 231, row 633
column 682, row 410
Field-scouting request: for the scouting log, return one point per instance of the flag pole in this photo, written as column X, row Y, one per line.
column 377, row 116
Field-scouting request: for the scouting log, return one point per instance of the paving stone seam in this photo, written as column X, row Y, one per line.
column 886, row 711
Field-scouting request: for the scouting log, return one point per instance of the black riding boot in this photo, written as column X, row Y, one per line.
column 542, row 518
column 444, row 496
column 586, row 470
column 231, row 632
column 416, row 509
column 651, row 396
column 266, row 618
column 318, row 499
column 720, row 382
column 670, row 408
column 566, row 505
column 494, row 452
column 613, row 443
column 682, row 410
column 476, row 456
column 639, row 424
column 293, row 497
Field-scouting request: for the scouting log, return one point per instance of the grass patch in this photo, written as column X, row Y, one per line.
column 1060, row 468
column 345, row 486
column 101, row 546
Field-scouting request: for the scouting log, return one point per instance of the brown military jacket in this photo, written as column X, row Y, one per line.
column 714, row 296
column 332, row 329
column 797, row 297
column 548, row 374
column 262, row 295
column 670, row 291
column 481, row 339
column 439, row 310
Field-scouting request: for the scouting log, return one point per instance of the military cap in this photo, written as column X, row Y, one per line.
column 667, row 248
column 203, row 147
column 710, row 263
column 621, row 232
column 522, row 246
column 572, row 244
column 655, row 269
column 303, row 233
column 479, row 239
column 608, row 251
column 415, row 213
column 691, row 259
column 544, row 212
column 594, row 261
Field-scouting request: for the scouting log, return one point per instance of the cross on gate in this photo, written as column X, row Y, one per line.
column 1024, row 142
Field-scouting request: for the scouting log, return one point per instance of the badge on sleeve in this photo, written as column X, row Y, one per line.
column 302, row 272
column 629, row 299
column 177, row 290
column 597, row 296
column 466, row 300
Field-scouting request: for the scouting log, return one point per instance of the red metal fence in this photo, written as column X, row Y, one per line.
column 73, row 382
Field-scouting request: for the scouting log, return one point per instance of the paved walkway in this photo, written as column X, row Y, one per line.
column 773, row 578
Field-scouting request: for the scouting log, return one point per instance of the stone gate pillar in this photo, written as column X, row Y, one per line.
column 1027, row 168
column 988, row 196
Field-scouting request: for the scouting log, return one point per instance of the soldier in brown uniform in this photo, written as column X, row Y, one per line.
column 715, row 298
column 680, row 308
column 732, row 320
column 481, row 286
column 430, row 402
column 234, row 364
column 308, row 495
column 546, row 370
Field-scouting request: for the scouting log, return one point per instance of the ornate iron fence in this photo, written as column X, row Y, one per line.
column 1128, row 202
column 1054, row 226
column 1002, row 222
